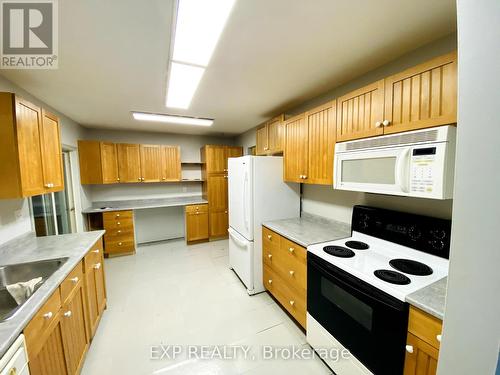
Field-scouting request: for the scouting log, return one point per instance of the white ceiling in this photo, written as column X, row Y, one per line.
column 273, row 54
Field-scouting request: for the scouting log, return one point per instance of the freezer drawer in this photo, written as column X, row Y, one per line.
column 241, row 256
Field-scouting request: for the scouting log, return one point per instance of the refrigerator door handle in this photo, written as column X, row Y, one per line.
column 245, row 216
column 235, row 238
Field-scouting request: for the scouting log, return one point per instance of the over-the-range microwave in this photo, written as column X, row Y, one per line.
column 416, row 164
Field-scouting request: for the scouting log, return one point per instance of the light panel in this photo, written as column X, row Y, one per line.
column 172, row 119
column 182, row 84
column 198, row 27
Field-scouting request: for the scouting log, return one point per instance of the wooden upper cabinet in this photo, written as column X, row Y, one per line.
column 261, row 145
column 150, row 163
column 170, row 163
column 422, row 96
column 129, row 162
column 109, row 163
column 233, row 152
column 360, row 113
column 296, row 149
column 30, row 149
column 215, row 158
column 275, row 134
column 53, row 176
column 321, row 142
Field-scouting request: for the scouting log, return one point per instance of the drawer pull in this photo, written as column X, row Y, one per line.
column 96, row 251
column 67, row 314
column 269, row 256
column 292, row 302
column 97, row 266
column 291, row 249
column 270, row 281
column 120, row 243
column 438, row 337
column 75, row 279
column 292, row 273
column 48, row 315
column 118, row 223
column 269, row 236
column 409, row 349
column 119, row 231
column 117, row 215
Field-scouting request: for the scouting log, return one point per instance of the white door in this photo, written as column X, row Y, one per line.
column 240, row 176
column 241, row 258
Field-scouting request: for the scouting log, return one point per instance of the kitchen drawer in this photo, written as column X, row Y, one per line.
column 39, row 325
column 126, row 223
column 93, row 256
column 71, row 282
column 425, row 326
column 118, row 247
column 295, row 251
column 202, row 208
column 117, row 215
column 293, row 301
column 122, row 232
column 270, row 240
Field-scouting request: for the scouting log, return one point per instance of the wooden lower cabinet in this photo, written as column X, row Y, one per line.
column 422, row 343
column 285, row 273
column 120, row 237
column 59, row 335
column 219, row 223
column 196, row 222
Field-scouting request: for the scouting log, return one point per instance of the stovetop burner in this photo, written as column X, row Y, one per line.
column 357, row 245
column 339, row 251
column 392, row 277
column 411, row 267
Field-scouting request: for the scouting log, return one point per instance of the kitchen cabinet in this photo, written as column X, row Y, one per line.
column 129, row 162
column 30, row 151
column 422, row 343
column 285, row 273
column 270, row 136
column 95, row 287
column 98, row 162
column 150, row 163
column 214, row 173
column 170, row 163
column 196, row 223
column 419, row 97
column 296, row 150
column 119, row 238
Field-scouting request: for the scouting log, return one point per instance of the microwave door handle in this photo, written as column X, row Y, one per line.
column 401, row 170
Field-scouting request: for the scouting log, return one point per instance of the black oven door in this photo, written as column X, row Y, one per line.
column 369, row 323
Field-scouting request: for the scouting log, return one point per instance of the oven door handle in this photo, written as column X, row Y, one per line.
column 338, row 277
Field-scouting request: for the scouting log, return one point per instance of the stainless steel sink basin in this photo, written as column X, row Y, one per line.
column 14, row 273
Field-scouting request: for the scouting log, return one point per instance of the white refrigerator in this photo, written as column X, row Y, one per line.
column 257, row 194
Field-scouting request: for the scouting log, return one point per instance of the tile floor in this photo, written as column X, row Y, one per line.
column 172, row 294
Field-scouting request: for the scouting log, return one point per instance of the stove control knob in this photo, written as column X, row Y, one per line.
column 414, row 232
column 439, row 234
column 437, row 244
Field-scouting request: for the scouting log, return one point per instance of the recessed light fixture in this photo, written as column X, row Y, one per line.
column 197, row 29
column 172, row 119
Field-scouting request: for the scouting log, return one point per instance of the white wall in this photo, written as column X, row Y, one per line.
column 471, row 333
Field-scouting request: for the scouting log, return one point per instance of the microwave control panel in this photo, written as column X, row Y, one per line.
column 422, row 170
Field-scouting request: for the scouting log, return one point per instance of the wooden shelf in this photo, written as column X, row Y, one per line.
column 192, row 180
column 192, row 162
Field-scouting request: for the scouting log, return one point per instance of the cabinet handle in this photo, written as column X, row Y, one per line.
column 120, row 243
column 269, row 236
column 197, row 213
column 225, row 212
column 96, row 251
column 119, row 231
column 117, row 215
column 305, row 177
column 378, row 124
column 386, row 122
column 75, row 279
column 438, row 337
column 270, row 281
column 292, row 273
column 138, row 178
column 98, row 265
column 68, row 314
column 409, row 349
column 291, row 249
column 118, row 179
column 292, row 303
column 164, row 178
column 269, row 256
column 48, row 315
column 118, row 223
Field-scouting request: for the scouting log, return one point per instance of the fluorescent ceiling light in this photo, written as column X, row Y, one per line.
column 199, row 25
column 172, row 119
column 183, row 82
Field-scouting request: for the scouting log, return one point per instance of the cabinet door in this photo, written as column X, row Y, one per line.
column 422, row 96
column 217, row 192
column 50, row 359
column 129, row 162
column 150, row 163
column 28, row 118
column 295, row 153
column 275, row 135
column 73, row 330
column 171, row 163
column 321, row 132
column 109, row 163
column 232, row 152
column 361, row 112
column 262, row 141
column 196, row 226
column 100, row 286
column 219, row 223
column 51, row 153
column 423, row 359
column 91, row 294
column 215, row 159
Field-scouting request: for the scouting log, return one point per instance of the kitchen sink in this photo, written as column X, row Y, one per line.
column 14, row 273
